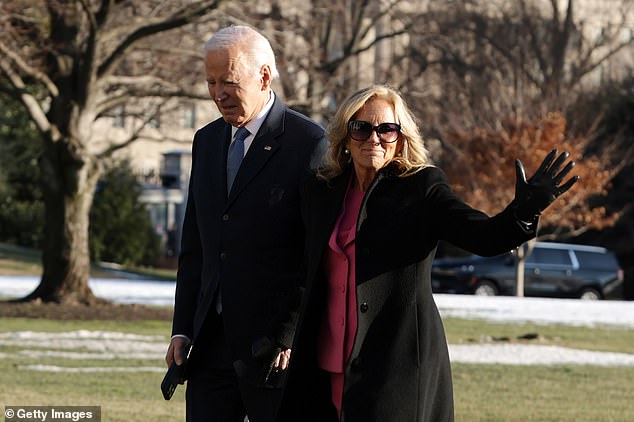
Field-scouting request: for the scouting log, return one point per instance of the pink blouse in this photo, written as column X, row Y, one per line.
column 339, row 326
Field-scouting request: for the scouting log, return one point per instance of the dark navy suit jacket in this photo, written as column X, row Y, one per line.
column 249, row 243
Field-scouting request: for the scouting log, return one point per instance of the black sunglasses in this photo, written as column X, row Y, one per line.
column 361, row 131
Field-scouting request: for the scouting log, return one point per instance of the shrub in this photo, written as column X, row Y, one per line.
column 121, row 230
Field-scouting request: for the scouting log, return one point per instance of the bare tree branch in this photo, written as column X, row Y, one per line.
column 29, row 70
column 509, row 56
column 136, row 91
column 535, row 45
column 183, row 16
column 86, row 72
column 357, row 24
column 131, row 138
column 333, row 65
column 104, row 11
column 140, row 132
column 143, row 80
column 581, row 72
column 30, row 103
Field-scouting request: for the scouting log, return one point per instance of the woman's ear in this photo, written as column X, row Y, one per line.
column 401, row 148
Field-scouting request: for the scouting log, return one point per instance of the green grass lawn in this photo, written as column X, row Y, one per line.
column 482, row 392
column 603, row 339
column 543, row 393
column 123, row 396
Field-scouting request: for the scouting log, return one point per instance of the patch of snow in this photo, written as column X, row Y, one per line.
column 502, row 309
column 85, row 340
column 117, row 290
column 505, row 309
column 38, row 354
column 80, row 335
column 526, row 354
column 54, row 368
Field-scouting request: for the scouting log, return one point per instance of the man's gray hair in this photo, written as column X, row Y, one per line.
column 257, row 51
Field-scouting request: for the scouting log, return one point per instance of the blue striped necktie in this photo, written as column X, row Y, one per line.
column 235, row 155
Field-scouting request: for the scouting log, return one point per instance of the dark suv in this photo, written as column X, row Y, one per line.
column 552, row 270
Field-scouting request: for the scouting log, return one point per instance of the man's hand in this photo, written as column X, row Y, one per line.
column 282, row 360
column 274, row 358
column 177, row 351
column 534, row 195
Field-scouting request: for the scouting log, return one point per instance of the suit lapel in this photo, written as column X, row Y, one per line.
column 216, row 148
column 264, row 146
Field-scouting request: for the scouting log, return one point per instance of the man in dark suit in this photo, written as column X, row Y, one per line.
column 242, row 240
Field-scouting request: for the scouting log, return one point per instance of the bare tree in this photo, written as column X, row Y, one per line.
column 480, row 61
column 328, row 49
column 70, row 63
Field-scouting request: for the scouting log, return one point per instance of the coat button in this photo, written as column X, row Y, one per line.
column 225, row 217
column 364, row 307
column 223, row 256
column 356, row 365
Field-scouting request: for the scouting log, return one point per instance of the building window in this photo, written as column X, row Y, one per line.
column 118, row 117
column 155, row 121
column 189, row 116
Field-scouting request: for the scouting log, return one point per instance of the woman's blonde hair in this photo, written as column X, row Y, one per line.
column 411, row 157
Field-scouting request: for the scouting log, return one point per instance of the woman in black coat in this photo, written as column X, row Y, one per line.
column 370, row 345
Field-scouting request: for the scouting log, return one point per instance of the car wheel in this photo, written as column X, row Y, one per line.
column 485, row 288
column 590, row 294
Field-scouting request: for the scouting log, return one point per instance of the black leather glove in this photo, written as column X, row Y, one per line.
column 534, row 195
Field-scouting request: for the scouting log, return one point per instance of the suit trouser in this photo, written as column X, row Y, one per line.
column 212, row 388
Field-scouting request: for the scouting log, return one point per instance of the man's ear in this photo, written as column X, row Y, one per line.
column 265, row 77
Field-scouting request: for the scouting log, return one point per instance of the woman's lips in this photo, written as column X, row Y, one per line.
column 373, row 151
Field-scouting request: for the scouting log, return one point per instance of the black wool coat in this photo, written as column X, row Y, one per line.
column 399, row 367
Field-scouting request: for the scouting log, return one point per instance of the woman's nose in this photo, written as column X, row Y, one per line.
column 374, row 137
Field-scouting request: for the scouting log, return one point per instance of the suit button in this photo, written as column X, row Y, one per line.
column 223, row 256
column 364, row 307
column 225, row 217
column 356, row 365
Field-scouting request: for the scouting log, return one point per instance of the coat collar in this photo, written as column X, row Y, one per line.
column 325, row 206
column 328, row 196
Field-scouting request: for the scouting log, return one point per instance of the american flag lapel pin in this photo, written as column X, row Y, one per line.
column 267, row 148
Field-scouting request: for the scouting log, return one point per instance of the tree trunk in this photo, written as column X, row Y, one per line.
column 523, row 252
column 519, row 271
column 69, row 179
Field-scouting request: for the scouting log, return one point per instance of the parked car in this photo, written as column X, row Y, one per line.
column 551, row 270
